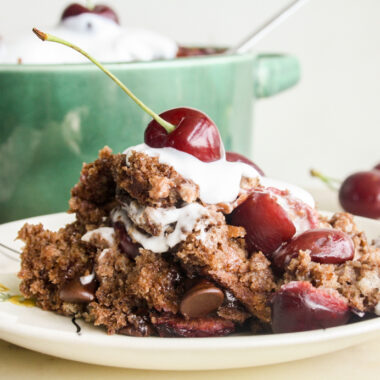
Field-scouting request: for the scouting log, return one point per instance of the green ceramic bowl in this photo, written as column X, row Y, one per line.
column 55, row 117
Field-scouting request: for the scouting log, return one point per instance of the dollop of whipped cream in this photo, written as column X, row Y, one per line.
column 99, row 36
column 218, row 181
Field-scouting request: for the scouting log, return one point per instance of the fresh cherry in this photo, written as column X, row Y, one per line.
column 326, row 246
column 126, row 244
column 236, row 157
column 360, row 194
column 298, row 306
column 195, row 133
column 76, row 9
column 267, row 224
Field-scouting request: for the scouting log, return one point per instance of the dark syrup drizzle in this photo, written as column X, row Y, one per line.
column 73, row 320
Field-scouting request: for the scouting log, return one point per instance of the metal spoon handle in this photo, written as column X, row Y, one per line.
column 265, row 28
column 12, row 254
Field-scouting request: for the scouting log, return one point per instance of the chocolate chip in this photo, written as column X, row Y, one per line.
column 201, row 300
column 75, row 291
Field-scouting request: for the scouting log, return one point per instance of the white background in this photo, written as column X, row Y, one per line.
column 330, row 121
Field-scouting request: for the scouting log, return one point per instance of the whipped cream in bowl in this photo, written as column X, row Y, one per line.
column 98, row 35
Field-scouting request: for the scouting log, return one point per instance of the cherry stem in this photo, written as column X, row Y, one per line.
column 332, row 183
column 48, row 37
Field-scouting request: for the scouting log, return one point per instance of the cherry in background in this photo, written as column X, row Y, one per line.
column 76, row 9
column 326, row 246
column 236, row 157
column 299, row 306
column 359, row 193
column 195, row 133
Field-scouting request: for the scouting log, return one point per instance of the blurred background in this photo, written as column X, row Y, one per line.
column 329, row 121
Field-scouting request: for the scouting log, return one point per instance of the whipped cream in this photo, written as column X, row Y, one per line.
column 177, row 223
column 105, row 233
column 209, row 176
column 101, row 37
column 85, row 280
column 218, row 181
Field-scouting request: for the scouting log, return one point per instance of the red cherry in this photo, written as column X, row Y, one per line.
column 267, row 224
column 326, row 246
column 298, row 306
column 76, row 9
column 236, row 157
column 301, row 214
column 126, row 244
column 195, row 133
column 360, row 194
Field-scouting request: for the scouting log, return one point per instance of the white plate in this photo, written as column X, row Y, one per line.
column 55, row 335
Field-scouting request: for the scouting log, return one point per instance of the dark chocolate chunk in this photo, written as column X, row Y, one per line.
column 201, row 300
column 76, row 291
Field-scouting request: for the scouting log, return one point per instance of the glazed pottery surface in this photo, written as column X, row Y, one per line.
column 55, row 117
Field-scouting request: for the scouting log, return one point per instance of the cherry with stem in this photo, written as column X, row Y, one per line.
column 185, row 129
column 359, row 193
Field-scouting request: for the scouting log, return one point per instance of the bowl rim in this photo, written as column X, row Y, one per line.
column 200, row 60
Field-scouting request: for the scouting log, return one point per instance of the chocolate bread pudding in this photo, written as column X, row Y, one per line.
column 176, row 238
column 153, row 252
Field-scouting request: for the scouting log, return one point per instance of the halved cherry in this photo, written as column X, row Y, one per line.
column 299, row 306
column 267, row 224
column 326, row 246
